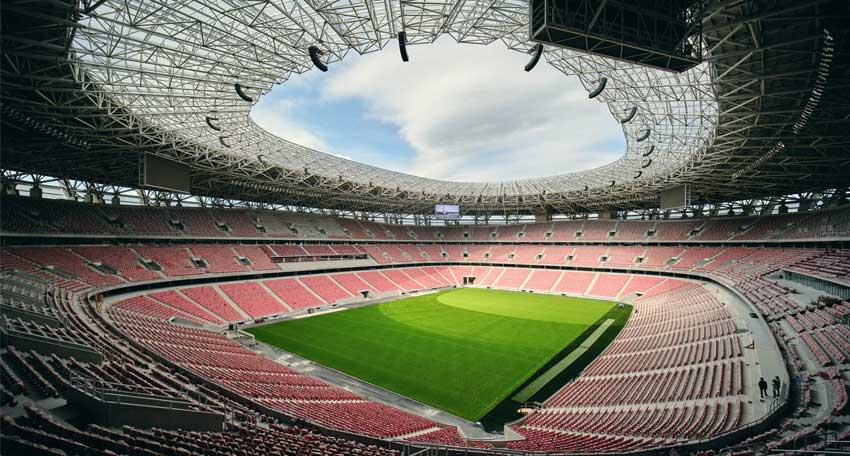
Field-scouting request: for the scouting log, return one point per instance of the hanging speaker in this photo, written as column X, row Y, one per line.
column 402, row 46
column 538, row 51
column 211, row 124
column 241, row 93
column 630, row 115
column 314, row 56
column 599, row 88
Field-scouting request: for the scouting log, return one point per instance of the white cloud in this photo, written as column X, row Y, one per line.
column 471, row 112
column 277, row 118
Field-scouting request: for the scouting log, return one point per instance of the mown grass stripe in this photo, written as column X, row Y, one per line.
column 526, row 393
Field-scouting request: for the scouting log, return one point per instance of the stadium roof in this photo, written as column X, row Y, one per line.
column 90, row 86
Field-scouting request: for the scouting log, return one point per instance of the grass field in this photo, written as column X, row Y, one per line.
column 462, row 351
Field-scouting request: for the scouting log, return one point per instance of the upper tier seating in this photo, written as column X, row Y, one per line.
column 566, row 231
column 26, row 215
column 481, row 233
column 536, row 232
column 219, row 259
column 29, row 215
column 154, row 221
column 633, row 230
column 556, row 254
column 526, row 254
column 174, row 260
column 510, row 233
column 597, row 230
column 588, row 255
column 398, row 232
column 695, row 256
column 238, row 223
column 318, row 249
column 721, row 229
column 68, row 261
column 625, row 256
column 669, row 230
column 257, row 256
column 658, row 257
column 832, row 223
column 196, row 222
column 125, row 261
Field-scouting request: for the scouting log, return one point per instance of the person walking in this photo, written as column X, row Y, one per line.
column 762, row 387
column 777, row 385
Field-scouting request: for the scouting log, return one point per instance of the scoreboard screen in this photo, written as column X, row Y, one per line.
column 676, row 197
column 447, row 212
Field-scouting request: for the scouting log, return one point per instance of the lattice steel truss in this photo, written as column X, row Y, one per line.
column 88, row 87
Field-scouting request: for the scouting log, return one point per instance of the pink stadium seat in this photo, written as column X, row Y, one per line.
column 608, row 285
column 174, row 260
column 325, row 287
column 209, row 298
column 69, row 261
column 536, row 232
column 542, row 279
column 574, row 282
column 566, row 231
column 640, row 284
column 253, row 299
column 174, row 299
column 353, row 283
column 259, row 258
column 402, row 280
column 124, row 260
column 512, row 278
column 294, row 293
column 378, row 281
column 588, row 255
column 219, row 258
column 597, row 230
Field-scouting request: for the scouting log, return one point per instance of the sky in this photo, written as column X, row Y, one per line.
column 454, row 111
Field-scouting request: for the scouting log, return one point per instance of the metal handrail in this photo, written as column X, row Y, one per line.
column 46, row 339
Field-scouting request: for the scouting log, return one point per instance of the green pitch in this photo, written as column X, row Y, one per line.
column 462, row 351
